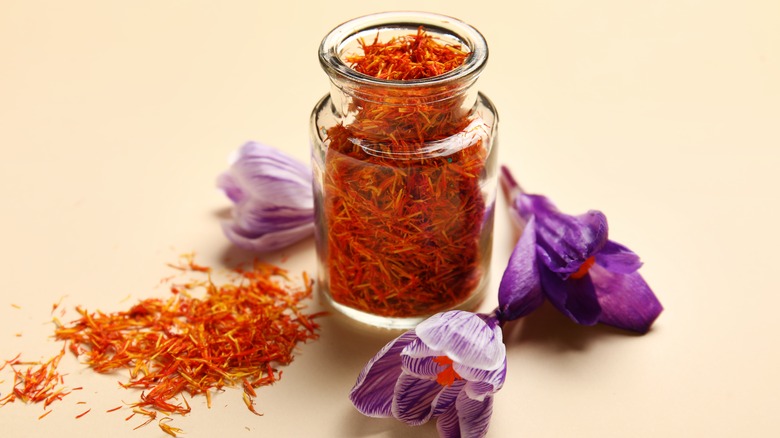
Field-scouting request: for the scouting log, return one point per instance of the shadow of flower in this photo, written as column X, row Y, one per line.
column 549, row 329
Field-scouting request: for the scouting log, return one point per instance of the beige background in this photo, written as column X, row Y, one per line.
column 117, row 116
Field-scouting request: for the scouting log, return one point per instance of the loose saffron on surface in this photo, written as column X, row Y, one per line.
column 37, row 382
column 403, row 235
column 236, row 335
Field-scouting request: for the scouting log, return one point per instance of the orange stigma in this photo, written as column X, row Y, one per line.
column 448, row 375
column 584, row 268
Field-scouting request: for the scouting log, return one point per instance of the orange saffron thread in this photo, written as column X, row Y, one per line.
column 448, row 375
column 45, row 414
column 584, row 268
column 170, row 430
column 83, row 413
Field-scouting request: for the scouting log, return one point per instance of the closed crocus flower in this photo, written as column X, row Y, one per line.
column 570, row 261
column 272, row 195
column 448, row 368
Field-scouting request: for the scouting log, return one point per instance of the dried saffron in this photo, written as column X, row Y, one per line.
column 404, row 179
column 37, row 383
column 236, row 335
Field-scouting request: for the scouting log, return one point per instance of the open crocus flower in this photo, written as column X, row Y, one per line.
column 447, row 368
column 274, row 205
column 570, row 261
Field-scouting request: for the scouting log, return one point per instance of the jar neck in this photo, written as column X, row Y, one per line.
column 425, row 113
column 405, row 110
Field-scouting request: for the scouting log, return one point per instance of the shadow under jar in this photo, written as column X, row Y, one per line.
column 403, row 155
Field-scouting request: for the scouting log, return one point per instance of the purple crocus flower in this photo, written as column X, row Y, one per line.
column 274, row 205
column 570, row 261
column 447, row 368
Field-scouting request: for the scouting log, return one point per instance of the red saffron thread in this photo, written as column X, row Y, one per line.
column 403, row 236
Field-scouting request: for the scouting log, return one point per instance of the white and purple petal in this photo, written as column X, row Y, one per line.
column 473, row 415
column 626, row 300
column 424, row 367
column 268, row 241
column 446, row 398
column 273, row 200
column 480, row 383
column 374, row 390
column 462, row 336
column 414, row 398
column 448, row 423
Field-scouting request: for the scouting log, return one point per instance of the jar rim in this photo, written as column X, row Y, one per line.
column 336, row 39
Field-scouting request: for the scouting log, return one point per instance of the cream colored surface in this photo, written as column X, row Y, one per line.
column 117, row 116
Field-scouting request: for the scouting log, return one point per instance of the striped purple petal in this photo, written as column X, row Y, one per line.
column 272, row 196
column 462, row 336
column 481, row 382
column 413, row 401
column 446, row 398
column 474, row 415
column 374, row 390
column 448, row 423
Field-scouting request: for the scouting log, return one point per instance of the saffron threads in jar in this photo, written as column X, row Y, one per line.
column 402, row 185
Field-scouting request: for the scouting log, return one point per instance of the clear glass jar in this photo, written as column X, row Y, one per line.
column 404, row 178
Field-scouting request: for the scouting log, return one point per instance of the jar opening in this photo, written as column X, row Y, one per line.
column 345, row 41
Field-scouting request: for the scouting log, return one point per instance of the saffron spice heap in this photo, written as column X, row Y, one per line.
column 405, row 226
column 38, row 383
column 236, row 335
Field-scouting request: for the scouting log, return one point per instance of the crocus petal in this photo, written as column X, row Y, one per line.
column 446, row 398
column 481, row 382
column 575, row 298
column 268, row 241
column 567, row 241
column 413, row 401
column 273, row 199
column 448, row 423
column 373, row 393
column 462, row 336
column 474, row 415
column 520, row 291
column 626, row 300
column 261, row 171
column 423, row 367
column 616, row 258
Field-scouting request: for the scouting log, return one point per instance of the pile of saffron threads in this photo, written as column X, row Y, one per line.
column 403, row 235
column 37, row 383
column 235, row 336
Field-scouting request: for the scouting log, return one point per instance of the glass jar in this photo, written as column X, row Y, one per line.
column 404, row 177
